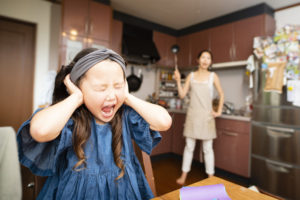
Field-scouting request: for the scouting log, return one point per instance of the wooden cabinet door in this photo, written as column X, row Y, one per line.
column 75, row 16
column 163, row 43
column 165, row 145
column 221, row 43
column 199, row 41
column 100, row 21
column 184, row 55
column 28, row 184
column 244, row 32
column 269, row 25
column 116, row 36
column 178, row 140
column 232, row 146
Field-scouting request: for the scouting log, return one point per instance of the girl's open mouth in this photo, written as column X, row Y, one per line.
column 108, row 111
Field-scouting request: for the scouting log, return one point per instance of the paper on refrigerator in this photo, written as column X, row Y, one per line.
column 293, row 92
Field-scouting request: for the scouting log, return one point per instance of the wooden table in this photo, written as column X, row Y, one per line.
column 234, row 191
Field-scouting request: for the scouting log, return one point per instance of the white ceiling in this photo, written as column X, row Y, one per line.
column 178, row 14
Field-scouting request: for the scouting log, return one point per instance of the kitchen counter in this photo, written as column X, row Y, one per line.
column 233, row 117
column 236, row 117
column 171, row 110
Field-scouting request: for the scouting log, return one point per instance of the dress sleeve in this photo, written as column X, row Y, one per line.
column 140, row 131
column 42, row 157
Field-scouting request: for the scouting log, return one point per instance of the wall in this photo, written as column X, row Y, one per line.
column 287, row 16
column 149, row 80
column 234, row 83
column 38, row 12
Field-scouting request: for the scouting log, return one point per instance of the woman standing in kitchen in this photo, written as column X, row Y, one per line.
column 200, row 122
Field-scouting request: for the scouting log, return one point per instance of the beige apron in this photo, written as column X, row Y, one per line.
column 199, row 123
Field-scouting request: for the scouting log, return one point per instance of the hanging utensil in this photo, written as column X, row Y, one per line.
column 134, row 82
column 175, row 49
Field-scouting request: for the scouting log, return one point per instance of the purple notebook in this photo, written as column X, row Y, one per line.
column 207, row 192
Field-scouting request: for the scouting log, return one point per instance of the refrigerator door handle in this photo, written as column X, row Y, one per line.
column 282, row 167
column 280, row 132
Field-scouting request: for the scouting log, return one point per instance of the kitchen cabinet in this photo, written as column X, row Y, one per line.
column 184, row 54
column 234, row 41
column 28, row 184
column 87, row 18
column 116, row 36
column 178, row 140
column 172, row 139
column 85, row 23
column 232, row 146
column 221, row 41
column 165, row 145
column 198, row 42
column 163, row 43
column 75, row 17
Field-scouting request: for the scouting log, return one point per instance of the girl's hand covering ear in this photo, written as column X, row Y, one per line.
column 126, row 91
column 72, row 89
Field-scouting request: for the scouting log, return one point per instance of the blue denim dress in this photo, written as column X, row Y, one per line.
column 57, row 158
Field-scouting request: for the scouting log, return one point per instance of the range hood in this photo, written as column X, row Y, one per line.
column 138, row 46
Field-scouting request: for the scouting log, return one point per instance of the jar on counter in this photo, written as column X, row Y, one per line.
column 172, row 103
column 178, row 104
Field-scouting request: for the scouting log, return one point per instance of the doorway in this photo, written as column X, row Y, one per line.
column 17, row 46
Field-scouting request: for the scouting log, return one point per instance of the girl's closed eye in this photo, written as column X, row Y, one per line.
column 119, row 85
column 100, row 88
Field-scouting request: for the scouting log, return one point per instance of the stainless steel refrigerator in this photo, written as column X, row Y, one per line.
column 275, row 141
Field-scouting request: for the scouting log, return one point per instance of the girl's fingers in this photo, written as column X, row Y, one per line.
column 71, row 87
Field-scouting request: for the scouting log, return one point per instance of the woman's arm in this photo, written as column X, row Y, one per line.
column 158, row 117
column 47, row 124
column 221, row 95
column 182, row 91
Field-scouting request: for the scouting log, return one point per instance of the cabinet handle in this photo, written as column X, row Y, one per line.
column 284, row 168
column 230, row 52
column 30, row 185
column 86, row 27
column 91, row 27
column 234, row 51
column 230, row 133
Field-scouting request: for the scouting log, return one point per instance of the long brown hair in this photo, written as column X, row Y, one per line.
column 82, row 118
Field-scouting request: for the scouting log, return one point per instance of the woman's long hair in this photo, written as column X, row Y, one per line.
column 82, row 118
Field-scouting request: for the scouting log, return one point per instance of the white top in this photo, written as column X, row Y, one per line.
column 210, row 82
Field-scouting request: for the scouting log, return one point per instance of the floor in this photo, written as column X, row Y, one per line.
column 167, row 168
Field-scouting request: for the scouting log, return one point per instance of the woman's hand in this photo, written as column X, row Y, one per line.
column 177, row 75
column 216, row 114
column 73, row 89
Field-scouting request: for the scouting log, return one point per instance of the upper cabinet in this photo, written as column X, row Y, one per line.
column 221, row 43
column 234, row 41
column 116, row 36
column 163, row 43
column 100, row 21
column 184, row 54
column 85, row 23
column 198, row 42
column 75, row 17
column 87, row 18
